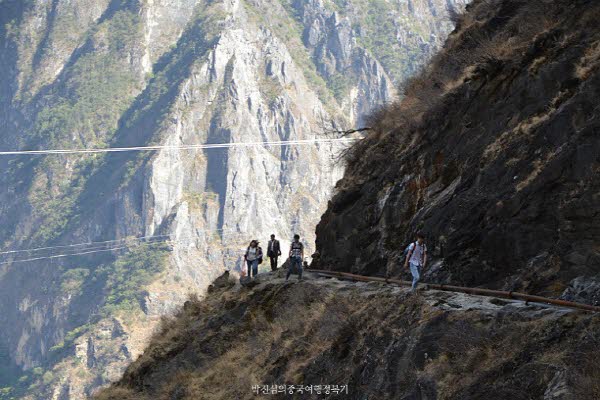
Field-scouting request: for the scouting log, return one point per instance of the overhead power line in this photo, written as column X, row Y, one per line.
column 100, row 244
column 97, row 247
column 106, row 242
column 68, row 255
column 280, row 143
column 114, row 245
column 87, row 251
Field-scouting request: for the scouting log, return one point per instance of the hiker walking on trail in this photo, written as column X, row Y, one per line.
column 296, row 257
column 253, row 257
column 417, row 258
column 273, row 252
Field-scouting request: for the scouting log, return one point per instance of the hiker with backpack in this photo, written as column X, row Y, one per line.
column 416, row 259
column 253, row 257
column 296, row 257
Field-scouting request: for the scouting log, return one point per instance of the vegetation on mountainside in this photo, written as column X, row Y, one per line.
column 9, row 373
column 16, row 384
column 119, row 289
column 126, row 278
column 340, row 85
column 327, row 88
column 289, row 29
column 83, row 111
column 119, row 285
column 199, row 200
column 376, row 26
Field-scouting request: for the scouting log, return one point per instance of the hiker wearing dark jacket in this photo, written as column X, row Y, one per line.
column 416, row 259
column 273, row 252
column 253, row 257
column 296, row 257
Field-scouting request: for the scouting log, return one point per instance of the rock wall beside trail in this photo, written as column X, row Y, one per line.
column 494, row 154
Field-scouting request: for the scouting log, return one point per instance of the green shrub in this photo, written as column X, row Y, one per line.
column 126, row 278
column 340, row 85
column 48, row 377
column 73, row 279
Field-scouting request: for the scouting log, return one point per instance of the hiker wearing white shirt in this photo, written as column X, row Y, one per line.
column 416, row 259
column 253, row 257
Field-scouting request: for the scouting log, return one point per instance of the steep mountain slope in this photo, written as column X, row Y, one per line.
column 494, row 154
column 376, row 340
column 89, row 74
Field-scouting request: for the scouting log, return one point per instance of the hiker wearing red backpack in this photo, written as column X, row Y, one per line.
column 416, row 259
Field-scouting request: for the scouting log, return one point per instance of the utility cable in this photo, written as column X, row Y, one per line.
column 93, row 250
column 281, row 143
column 64, row 255
column 106, row 242
column 100, row 243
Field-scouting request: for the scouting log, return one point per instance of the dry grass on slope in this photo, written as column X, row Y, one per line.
column 377, row 339
column 220, row 357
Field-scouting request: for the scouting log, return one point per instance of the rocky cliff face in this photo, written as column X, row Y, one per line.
column 494, row 154
column 376, row 340
column 88, row 74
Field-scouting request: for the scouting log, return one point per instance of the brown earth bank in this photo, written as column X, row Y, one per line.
column 493, row 153
column 379, row 340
